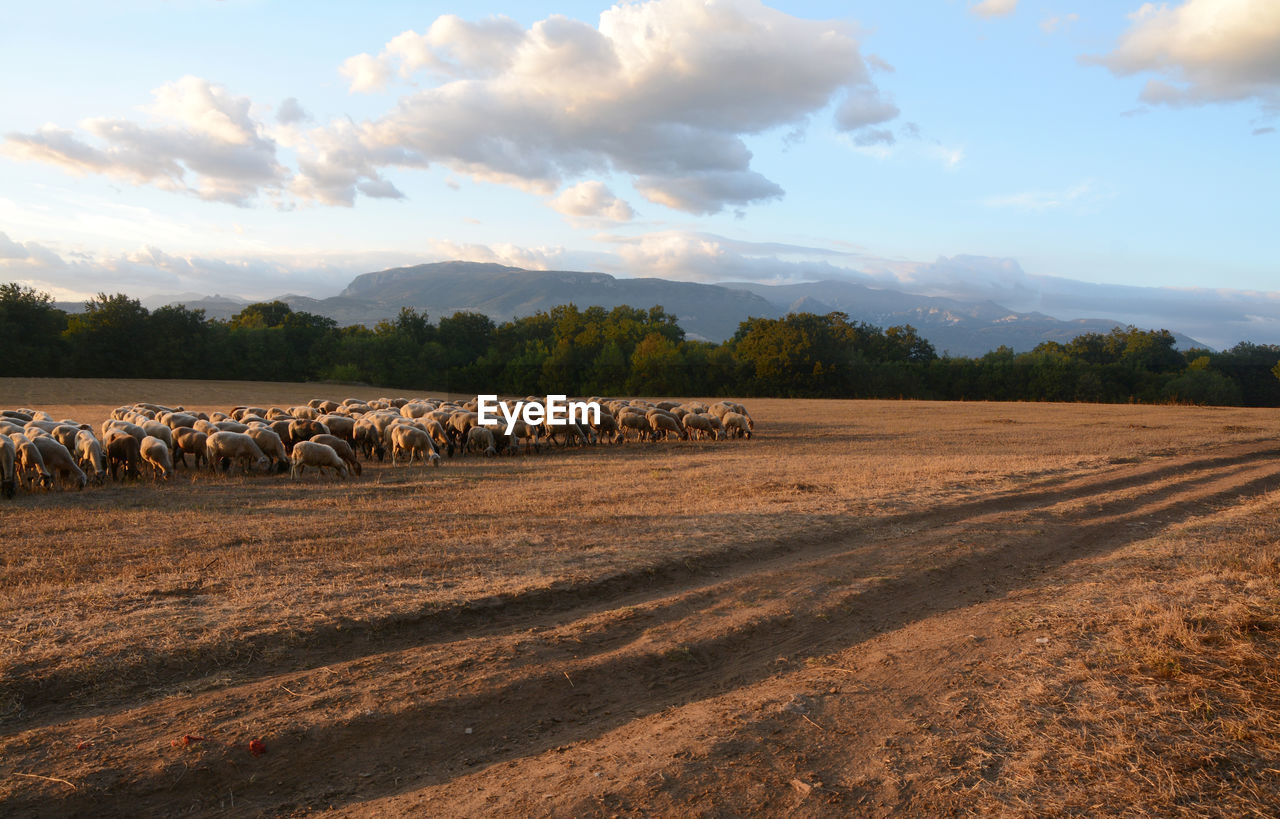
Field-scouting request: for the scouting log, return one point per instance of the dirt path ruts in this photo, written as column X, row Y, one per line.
column 388, row 718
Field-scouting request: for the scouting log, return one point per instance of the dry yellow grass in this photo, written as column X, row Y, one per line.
column 106, row 592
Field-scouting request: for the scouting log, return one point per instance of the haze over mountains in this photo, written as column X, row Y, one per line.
column 707, row 311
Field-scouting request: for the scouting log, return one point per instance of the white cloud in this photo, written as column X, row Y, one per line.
column 1202, row 51
column 202, row 140
column 1051, row 24
column 591, row 203
column 366, row 73
column 994, row 8
column 663, row 91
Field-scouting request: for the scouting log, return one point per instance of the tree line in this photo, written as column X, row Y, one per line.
column 618, row 351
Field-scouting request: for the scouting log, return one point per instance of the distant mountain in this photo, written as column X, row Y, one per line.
column 958, row 327
column 705, row 311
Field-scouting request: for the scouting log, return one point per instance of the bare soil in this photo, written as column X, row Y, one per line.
column 870, row 608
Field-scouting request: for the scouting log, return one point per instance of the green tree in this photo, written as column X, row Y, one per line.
column 30, row 331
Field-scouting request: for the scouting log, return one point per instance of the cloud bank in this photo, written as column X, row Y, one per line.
column 663, row 92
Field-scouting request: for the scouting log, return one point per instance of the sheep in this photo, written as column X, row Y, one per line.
column 695, row 406
column 366, row 437
column 17, row 415
column 88, row 453
column 736, row 424
column 158, row 430
column 344, row 450
column 413, row 440
column 664, row 423
column 189, row 441
column 31, row 466
column 529, row 433
column 439, row 435
column 702, row 425
column 128, row 427
column 235, row 447
column 303, row 429
column 177, row 420
column 8, row 467
column 231, row 426
column 123, row 452
column 342, row 426
column 634, row 421
column 65, row 434
column 240, row 411
column 667, row 405
column 309, row 453
column 607, row 428
column 481, row 439
column 722, row 408
column 156, row 453
column 9, row 427
column 271, row 446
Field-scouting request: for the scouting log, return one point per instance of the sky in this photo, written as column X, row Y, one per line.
column 1084, row 159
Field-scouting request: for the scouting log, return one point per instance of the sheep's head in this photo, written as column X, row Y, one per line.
column 262, row 464
column 46, row 480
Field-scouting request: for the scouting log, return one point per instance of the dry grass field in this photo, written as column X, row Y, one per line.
column 871, row 607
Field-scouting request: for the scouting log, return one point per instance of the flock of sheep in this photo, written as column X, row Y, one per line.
column 37, row 450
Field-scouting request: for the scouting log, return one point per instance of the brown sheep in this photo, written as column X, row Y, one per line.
column 189, row 441
column 124, row 452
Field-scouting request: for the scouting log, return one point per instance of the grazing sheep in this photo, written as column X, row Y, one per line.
column 413, row 440
column 634, row 421
column 439, row 435
column 158, row 430
column 8, row 467
column 177, row 420
column 156, row 454
column 189, row 441
column 65, row 434
column 607, row 428
column 736, row 424
column 89, row 455
column 128, row 427
column 124, row 452
column 342, row 426
column 226, row 448
column 661, row 422
column 481, row 439
column 309, row 453
column 344, row 450
column 31, row 466
column 231, row 426
column 304, row 429
column 271, row 446
column 702, row 425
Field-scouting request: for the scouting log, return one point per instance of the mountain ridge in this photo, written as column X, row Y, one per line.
column 705, row 311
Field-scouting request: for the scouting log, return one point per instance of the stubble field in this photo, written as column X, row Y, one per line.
column 870, row 607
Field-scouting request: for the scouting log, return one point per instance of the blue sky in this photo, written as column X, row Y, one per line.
column 1082, row 158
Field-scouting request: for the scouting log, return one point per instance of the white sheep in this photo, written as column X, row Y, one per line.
column 235, row 447
column 320, row 456
column 156, row 453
